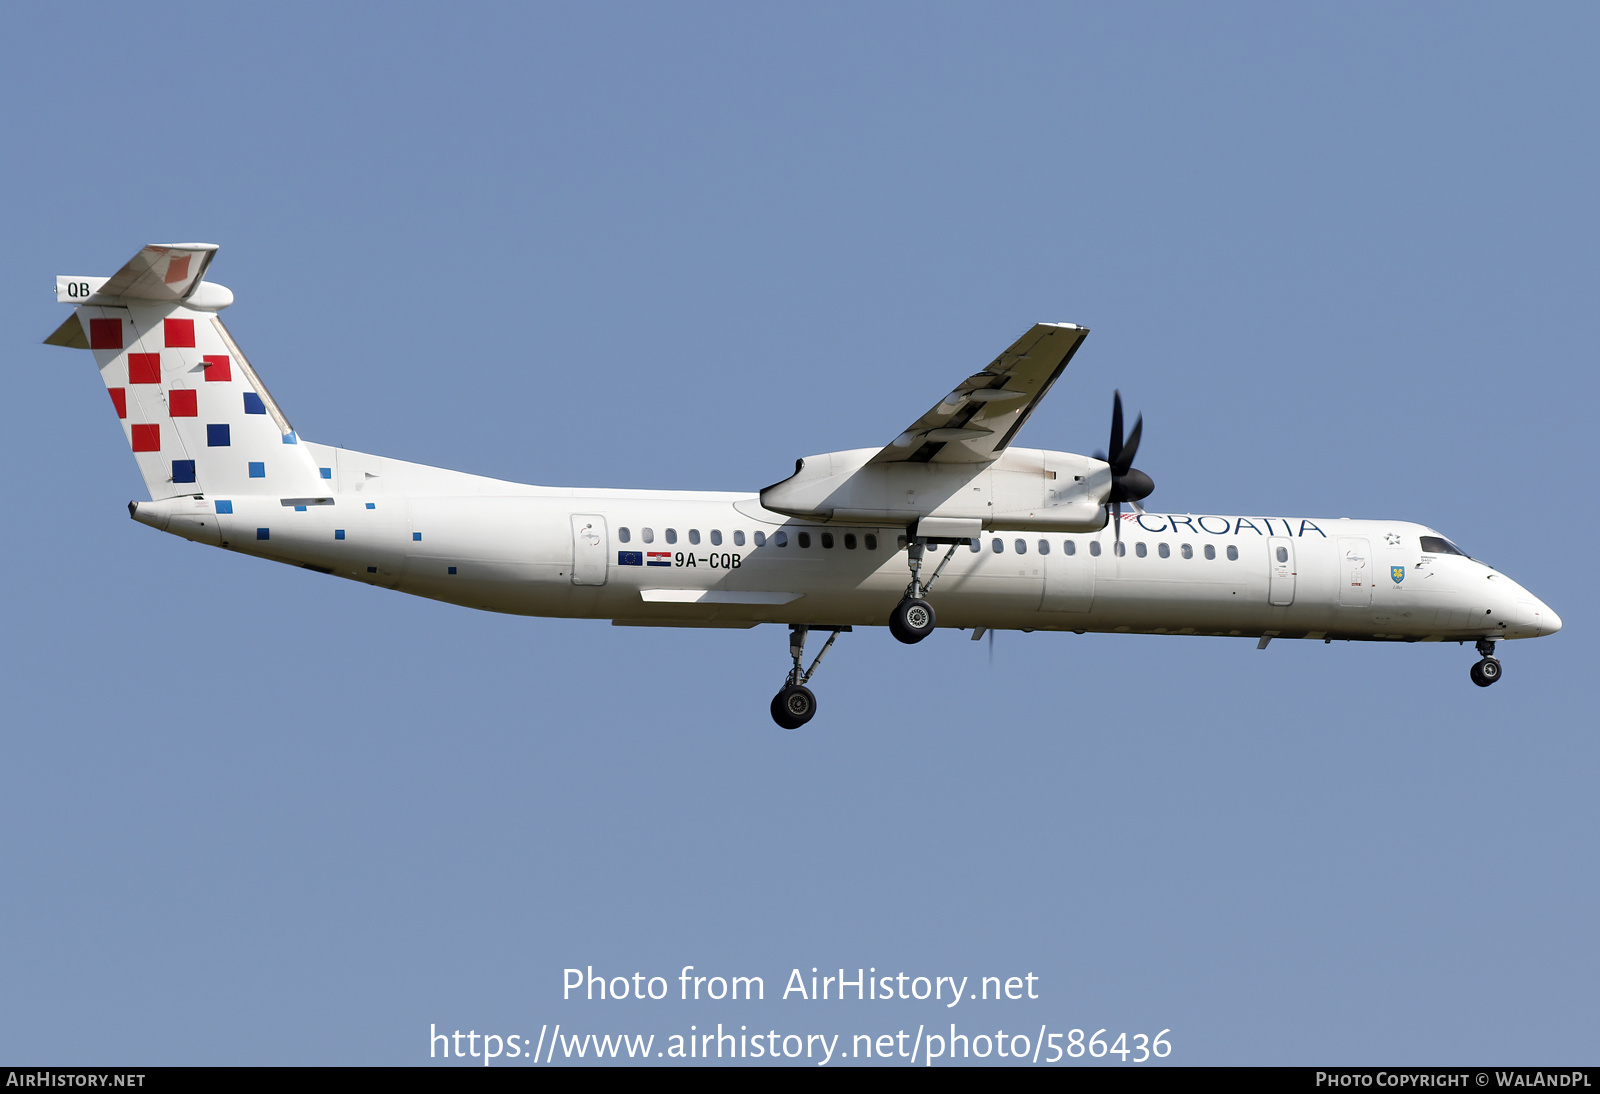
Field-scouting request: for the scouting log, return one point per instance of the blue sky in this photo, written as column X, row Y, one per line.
column 1341, row 257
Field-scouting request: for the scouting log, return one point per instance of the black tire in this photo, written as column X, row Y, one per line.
column 793, row 706
column 912, row 620
column 1486, row 672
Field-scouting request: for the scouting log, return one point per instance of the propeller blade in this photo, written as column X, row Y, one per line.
column 991, row 647
column 1130, row 449
column 1114, row 450
column 1116, row 522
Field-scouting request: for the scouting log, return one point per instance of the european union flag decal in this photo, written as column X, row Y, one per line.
column 1398, row 573
column 630, row 558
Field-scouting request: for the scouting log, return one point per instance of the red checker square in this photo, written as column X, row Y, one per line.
column 179, row 332
column 144, row 368
column 177, row 270
column 105, row 334
column 217, row 367
column 119, row 399
column 147, row 438
column 181, row 403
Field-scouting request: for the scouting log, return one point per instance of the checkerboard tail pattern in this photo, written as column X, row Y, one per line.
column 193, row 412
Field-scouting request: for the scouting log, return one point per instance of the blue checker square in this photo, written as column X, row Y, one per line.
column 338, row 533
column 290, row 438
column 217, row 435
column 299, row 508
column 253, row 403
column 327, row 472
column 417, row 536
column 371, row 505
column 258, row 470
column 452, row 569
column 182, row 470
column 263, row 533
column 225, row 507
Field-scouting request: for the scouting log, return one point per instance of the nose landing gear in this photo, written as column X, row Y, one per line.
column 1486, row 671
column 794, row 704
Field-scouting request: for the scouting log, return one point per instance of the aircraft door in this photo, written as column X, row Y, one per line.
column 1068, row 580
column 1280, row 581
column 1355, row 573
column 589, row 548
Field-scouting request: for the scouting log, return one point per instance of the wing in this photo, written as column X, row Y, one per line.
column 976, row 421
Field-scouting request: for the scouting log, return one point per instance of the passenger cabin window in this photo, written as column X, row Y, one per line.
column 1283, row 554
column 1186, row 550
column 805, row 539
column 1211, row 552
column 738, row 539
column 672, row 535
column 872, row 541
column 716, row 537
column 694, row 535
column 623, row 535
column 1120, row 548
column 974, row 546
column 647, row 534
column 849, row 541
column 1094, row 547
column 1044, row 546
column 998, row 546
column 827, row 540
column 1070, row 547
column 1022, row 546
column 1438, row 545
column 1233, row 553
column 780, row 539
column 1141, row 550
column 1164, row 551
column 761, row 539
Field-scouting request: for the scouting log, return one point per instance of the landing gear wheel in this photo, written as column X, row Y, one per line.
column 793, row 706
column 912, row 620
column 1486, row 672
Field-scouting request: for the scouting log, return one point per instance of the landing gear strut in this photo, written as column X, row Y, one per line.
column 794, row 704
column 913, row 619
column 1487, row 671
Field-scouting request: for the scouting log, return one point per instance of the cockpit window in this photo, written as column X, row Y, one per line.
column 1438, row 545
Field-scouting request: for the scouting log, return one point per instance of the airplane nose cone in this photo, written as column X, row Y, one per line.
column 1549, row 621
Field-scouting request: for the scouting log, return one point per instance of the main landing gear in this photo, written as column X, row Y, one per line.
column 794, row 704
column 1487, row 671
column 913, row 619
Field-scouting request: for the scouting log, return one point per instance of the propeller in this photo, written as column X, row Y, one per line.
column 1128, row 483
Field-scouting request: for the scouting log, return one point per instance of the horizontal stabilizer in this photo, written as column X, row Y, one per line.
column 164, row 272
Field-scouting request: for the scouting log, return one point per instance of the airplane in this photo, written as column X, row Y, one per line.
column 1023, row 539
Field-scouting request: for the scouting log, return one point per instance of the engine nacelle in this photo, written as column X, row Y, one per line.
column 1026, row 489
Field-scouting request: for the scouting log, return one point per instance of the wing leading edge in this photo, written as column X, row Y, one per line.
column 976, row 421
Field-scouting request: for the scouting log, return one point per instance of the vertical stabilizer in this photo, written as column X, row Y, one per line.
column 195, row 414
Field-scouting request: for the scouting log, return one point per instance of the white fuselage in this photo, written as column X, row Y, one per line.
column 678, row 558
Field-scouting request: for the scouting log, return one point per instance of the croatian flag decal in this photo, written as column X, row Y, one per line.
column 660, row 558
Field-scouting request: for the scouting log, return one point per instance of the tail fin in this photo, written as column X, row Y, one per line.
column 194, row 412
